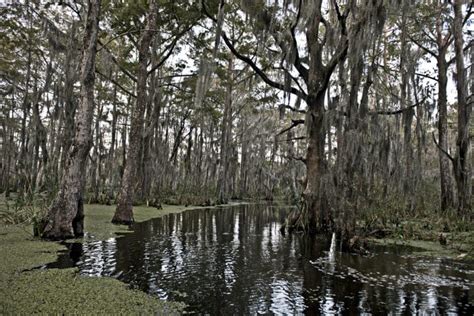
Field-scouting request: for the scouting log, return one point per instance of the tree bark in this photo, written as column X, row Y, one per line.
column 447, row 199
column 124, row 211
column 111, row 172
column 462, row 168
column 243, row 187
column 319, row 218
column 96, row 160
column 223, row 185
column 66, row 214
column 68, row 101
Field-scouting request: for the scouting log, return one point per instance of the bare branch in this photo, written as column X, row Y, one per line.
column 247, row 60
column 298, row 65
column 465, row 49
column 294, row 123
column 115, row 61
column 423, row 47
column 442, row 150
column 170, row 49
column 115, row 83
column 399, row 111
column 289, row 107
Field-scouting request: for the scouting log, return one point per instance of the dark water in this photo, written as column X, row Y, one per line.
column 235, row 261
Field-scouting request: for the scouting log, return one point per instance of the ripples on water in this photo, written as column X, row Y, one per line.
column 235, row 261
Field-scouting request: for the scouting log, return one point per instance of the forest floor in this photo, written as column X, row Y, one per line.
column 25, row 290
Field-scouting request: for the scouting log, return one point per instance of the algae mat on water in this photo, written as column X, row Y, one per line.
column 97, row 218
column 64, row 291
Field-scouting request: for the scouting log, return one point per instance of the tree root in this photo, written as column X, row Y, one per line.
column 298, row 220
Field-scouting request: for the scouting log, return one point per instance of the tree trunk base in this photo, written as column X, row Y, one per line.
column 123, row 215
column 302, row 221
column 122, row 221
column 65, row 221
column 307, row 221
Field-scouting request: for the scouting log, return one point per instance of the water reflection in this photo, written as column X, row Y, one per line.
column 235, row 261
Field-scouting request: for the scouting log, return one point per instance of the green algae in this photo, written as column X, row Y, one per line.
column 21, row 251
column 457, row 248
column 64, row 292
column 424, row 232
column 97, row 221
column 24, row 291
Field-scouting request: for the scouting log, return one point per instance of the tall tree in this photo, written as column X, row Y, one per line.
column 124, row 211
column 226, row 137
column 66, row 214
column 318, row 31
column 442, row 40
column 462, row 167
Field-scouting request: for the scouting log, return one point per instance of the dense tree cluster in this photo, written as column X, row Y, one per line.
column 341, row 106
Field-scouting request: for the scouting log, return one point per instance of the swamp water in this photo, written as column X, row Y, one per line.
column 233, row 260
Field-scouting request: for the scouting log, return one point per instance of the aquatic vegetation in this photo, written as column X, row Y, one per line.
column 235, row 261
column 25, row 290
column 461, row 246
column 97, row 222
column 63, row 291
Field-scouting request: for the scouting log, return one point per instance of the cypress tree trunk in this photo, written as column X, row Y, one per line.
column 319, row 217
column 462, row 168
column 124, row 211
column 96, row 161
column 447, row 199
column 291, row 165
column 223, row 185
column 110, row 165
column 66, row 214
column 243, row 176
column 318, row 214
column 69, row 104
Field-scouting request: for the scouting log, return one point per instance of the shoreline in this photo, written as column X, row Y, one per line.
column 25, row 290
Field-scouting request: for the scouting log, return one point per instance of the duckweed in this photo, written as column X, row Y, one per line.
column 64, row 292
column 24, row 289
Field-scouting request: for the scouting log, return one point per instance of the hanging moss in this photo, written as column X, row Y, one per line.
column 202, row 82
column 206, row 67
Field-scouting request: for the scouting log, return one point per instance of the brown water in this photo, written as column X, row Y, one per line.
column 234, row 260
